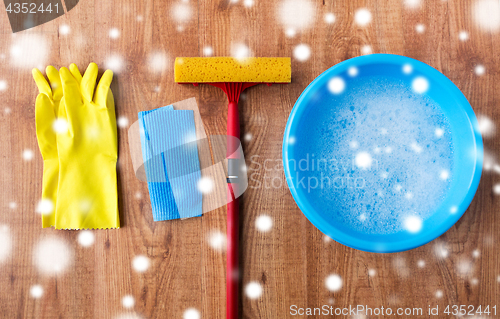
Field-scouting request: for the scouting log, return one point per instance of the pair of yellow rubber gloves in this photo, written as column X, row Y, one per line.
column 76, row 132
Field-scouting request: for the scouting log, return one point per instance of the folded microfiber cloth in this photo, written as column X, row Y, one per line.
column 171, row 163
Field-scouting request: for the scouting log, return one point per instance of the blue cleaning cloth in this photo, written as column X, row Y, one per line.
column 170, row 154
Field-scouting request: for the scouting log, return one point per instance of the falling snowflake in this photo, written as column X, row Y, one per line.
column 354, row 145
column 139, row 18
column 217, row 240
column 413, row 224
column 420, row 28
column 479, row 69
column 138, row 195
column 463, row 36
column 420, row 85
column 439, row 132
column 248, row 3
column 292, row 140
column 5, row 243
column 363, row 17
column 486, row 126
column 240, row 51
column 333, row 282
column 421, row 263
column 413, row 4
column 28, row 155
column 181, row 12
column 157, row 61
column 208, row 51
column 476, row 253
column 28, row 51
column 444, row 175
column 363, row 160
column 12, row 205
column 248, row 137
column 416, row 148
column 191, row 313
column 86, row 238
column 115, row 63
column 329, row 18
column 36, row 291
column 407, row 69
column 372, row 272
column 205, row 185
column 353, row 71
column 3, row 85
column 486, row 14
column 128, row 301
column 366, row 49
column 264, row 223
column 302, row 52
column 122, row 122
column 114, row 33
column 290, row 32
column 60, row 126
column 7, row 110
column 45, row 206
column 253, row 290
column 441, row 250
column 474, row 281
column 336, row 85
column 453, row 209
column 296, row 14
column 439, row 293
column 52, row 256
column 140, row 263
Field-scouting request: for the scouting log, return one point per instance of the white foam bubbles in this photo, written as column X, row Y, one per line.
column 333, row 282
column 140, row 263
column 157, row 62
column 302, row 52
column 363, row 160
column 420, row 85
column 264, row 223
column 191, row 313
column 296, row 14
column 52, row 256
column 336, row 85
column 363, row 17
column 253, row 290
column 413, row 224
column 86, row 238
column 36, row 291
column 486, row 14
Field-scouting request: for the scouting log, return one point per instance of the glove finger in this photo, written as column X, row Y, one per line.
column 101, row 94
column 44, row 119
column 55, row 82
column 72, row 97
column 76, row 73
column 88, row 81
column 41, row 82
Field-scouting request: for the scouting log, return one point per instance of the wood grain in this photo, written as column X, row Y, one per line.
column 292, row 261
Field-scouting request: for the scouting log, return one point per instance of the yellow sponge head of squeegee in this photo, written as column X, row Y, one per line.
column 226, row 69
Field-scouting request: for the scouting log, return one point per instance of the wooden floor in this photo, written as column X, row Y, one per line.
column 292, row 261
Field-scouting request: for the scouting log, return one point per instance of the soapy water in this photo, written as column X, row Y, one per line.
column 379, row 156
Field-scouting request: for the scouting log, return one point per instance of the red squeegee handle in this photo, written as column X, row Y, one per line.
column 232, row 271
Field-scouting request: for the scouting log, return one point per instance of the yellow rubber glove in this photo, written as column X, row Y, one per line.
column 46, row 108
column 87, row 151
